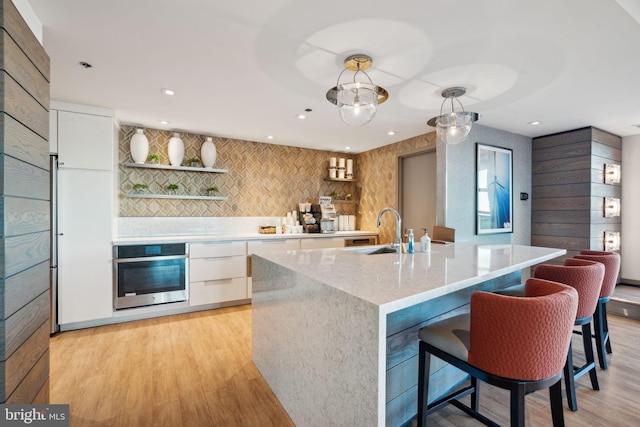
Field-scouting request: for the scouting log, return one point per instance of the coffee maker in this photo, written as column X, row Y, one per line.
column 328, row 223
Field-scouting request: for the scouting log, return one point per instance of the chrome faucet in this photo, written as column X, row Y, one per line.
column 398, row 243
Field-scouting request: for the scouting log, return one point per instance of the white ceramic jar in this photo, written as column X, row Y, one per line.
column 208, row 153
column 139, row 146
column 176, row 150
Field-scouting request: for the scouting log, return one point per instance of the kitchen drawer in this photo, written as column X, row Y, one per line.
column 227, row 267
column 215, row 291
column 207, row 250
column 322, row 242
column 275, row 244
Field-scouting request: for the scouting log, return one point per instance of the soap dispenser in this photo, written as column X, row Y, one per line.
column 425, row 242
column 410, row 242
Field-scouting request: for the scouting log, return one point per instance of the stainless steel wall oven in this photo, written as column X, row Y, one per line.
column 150, row 274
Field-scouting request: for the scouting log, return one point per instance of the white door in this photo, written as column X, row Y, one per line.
column 417, row 181
column 85, row 200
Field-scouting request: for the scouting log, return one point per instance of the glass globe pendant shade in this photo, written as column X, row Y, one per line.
column 453, row 128
column 357, row 103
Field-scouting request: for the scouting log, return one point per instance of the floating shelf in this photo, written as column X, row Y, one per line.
column 341, row 180
column 344, row 201
column 174, row 196
column 175, row 168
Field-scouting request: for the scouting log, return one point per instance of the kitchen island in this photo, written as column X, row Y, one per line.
column 334, row 331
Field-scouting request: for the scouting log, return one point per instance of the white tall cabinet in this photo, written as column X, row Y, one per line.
column 85, row 143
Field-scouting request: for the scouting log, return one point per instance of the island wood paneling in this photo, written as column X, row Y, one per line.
column 568, row 190
column 402, row 349
column 24, row 202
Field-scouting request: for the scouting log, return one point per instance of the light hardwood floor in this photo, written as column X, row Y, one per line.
column 195, row 370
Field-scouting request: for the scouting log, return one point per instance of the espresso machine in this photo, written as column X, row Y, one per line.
column 329, row 220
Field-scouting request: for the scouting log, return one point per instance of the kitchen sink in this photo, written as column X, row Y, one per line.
column 372, row 250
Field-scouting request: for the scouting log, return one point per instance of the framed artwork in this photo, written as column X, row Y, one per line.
column 494, row 192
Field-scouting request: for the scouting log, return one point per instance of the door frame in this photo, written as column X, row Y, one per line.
column 405, row 155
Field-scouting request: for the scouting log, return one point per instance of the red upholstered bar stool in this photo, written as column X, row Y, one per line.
column 516, row 343
column 611, row 261
column 586, row 278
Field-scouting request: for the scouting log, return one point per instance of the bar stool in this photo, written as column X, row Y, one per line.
column 518, row 344
column 586, row 278
column 611, row 261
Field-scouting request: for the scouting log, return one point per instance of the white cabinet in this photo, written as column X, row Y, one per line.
column 326, row 242
column 217, row 272
column 84, row 245
column 85, row 141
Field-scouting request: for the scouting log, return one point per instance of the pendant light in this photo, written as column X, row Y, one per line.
column 357, row 101
column 453, row 127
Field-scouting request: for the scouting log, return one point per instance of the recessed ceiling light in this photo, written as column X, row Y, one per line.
column 164, row 122
column 166, row 91
column 269, row 136
column 301, row 116
column 391, row 132
column 347, row 148
column 535, row 123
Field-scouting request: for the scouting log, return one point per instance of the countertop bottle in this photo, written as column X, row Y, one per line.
column 425, row 242
column 410, row 243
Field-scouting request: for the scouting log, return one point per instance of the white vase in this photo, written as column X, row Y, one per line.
column 176, row 150
column 208, row 153
column 139, row 146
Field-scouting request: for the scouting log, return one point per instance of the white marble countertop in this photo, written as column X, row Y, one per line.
column 396, row 281
column 219, row 237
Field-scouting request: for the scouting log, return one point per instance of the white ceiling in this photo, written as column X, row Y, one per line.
column 245, row 69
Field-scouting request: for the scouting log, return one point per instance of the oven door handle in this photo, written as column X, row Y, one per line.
column 149, row 258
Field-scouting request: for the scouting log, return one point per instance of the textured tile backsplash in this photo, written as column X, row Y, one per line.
column 263, row 179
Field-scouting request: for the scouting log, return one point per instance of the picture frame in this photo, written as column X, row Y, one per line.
column 494, row 189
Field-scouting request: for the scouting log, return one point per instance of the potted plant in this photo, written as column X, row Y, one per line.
column 154, row 159
column 193, row 162
column 347, row 196
column 173, row 188
column 140, row 188
column 335, row 196
column 212, row 191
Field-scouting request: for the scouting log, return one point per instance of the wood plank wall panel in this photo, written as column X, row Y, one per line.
column 24, row 200
column 23, row 252
column 11, row 21
column 23, row 216
column 19, row 327
column 568, row 191
column 23, row 71
column 42, row 398
column 23, row 107
column 21, row 179
column 17, row 367
column 21, row 143
column 31, row 385
column 23, row 287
